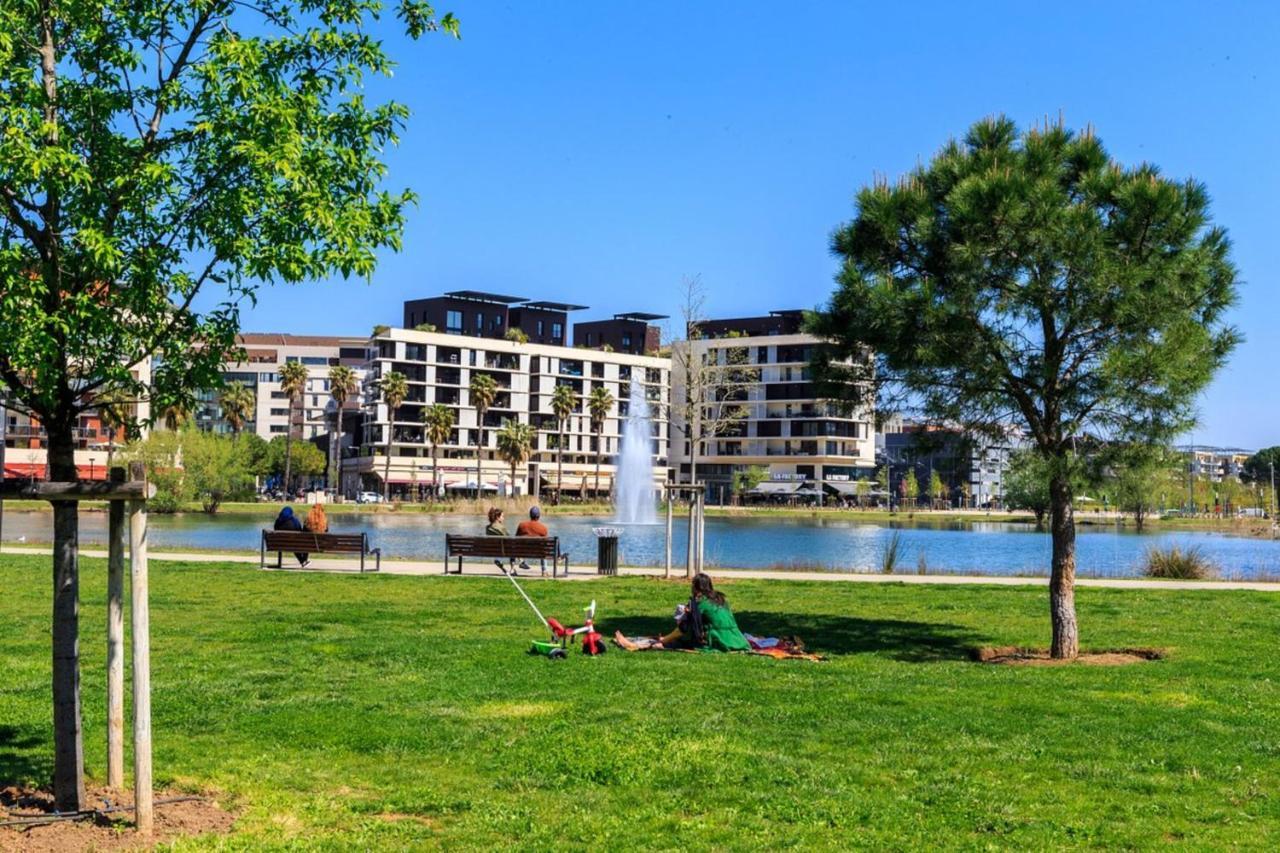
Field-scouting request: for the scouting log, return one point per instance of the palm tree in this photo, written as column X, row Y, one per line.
column 515, row 443
column 113, row 412
column 395, row 387
column 342, row 385
column 175, row 415
column 438, row 422
column 293, row 382
column 237, row 403
column 562, row 405
column 599, row 404
column 483, row 391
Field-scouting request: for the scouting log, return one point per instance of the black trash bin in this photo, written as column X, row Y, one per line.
column 606, row 550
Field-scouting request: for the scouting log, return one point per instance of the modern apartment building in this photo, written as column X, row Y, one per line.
column 439, row 368
column 26, row 443
column 633, row 332
column 265, row 354
column 1215, row 463
column 810, row 446
column 477, row 314
column 972, row 468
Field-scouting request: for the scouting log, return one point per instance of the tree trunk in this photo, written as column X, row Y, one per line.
column 1140, row 517
column 435, row 472
column 560, row 464
column 337, row 486
column 599, row 448
column 1062, row 579
column 479, row 451
column 288, row 449
column 68, row 747
column 386, row 467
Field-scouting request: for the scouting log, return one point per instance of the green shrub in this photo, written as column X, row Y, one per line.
column 1176, row 564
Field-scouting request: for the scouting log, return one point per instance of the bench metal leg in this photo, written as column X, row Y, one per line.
column 262, row 557
column 362, row 562
column 279, row 559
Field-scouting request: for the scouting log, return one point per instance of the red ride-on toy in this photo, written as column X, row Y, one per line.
column 562, row 637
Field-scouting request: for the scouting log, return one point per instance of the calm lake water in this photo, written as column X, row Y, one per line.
column 842, row 545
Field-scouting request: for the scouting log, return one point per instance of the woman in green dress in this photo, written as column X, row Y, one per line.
column 707, row 623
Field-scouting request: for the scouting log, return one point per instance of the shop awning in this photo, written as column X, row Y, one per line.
column 470, row 486
column 772, row 488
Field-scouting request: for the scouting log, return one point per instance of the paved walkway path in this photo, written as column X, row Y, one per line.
column 435, row 567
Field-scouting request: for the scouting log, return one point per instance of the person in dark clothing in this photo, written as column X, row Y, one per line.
column 286, row 520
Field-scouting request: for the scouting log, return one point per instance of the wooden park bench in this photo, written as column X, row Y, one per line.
column 504, row 547
column 302, row 542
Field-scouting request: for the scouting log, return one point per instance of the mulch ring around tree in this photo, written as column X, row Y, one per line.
column 1019, row 656
column 110, row 824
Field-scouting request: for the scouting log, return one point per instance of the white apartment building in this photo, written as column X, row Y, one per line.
column 265, row 354
column 810, row 447
column 439, row 368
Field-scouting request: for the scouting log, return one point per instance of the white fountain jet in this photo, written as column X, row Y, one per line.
column 635, row 502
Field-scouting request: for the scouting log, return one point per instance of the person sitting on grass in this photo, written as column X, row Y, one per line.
column 286, row 520
column 497, row 527
column 533, row 527
column 706, row 623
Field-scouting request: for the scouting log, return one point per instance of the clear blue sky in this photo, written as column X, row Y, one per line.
column 596, row 152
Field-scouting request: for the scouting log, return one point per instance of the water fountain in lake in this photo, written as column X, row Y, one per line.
column 635, row 498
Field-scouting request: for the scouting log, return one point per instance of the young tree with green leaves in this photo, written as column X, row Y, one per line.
column 563, row 401
column 936, row 490
column 482, row 391
column 599, row 404
column 1026, row 278
column 911, row 488
column 237, row 403
column 1026, row 484
column 154, row 151
column 342, row 387
column 293, row 382
column 862, row 490
column 394, row 387
column 1140, row 476
column 515, row 443
column 437, row 423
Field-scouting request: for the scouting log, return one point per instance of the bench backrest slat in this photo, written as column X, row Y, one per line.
column 536, row 547
column 294, row 540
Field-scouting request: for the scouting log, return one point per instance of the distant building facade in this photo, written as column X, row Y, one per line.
column 972, row 468
column 439, row 368
column 808, row 446
column 26, row 443
column 272, row 414
column 1215, row 463
column 478, row 314
column 632, row 333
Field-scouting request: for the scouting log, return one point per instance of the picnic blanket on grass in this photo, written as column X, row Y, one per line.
column 790, row 648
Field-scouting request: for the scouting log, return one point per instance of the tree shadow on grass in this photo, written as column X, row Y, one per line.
column 839, row 635
column 24, row 757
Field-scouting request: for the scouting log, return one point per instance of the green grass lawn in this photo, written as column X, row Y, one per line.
column 382, row 711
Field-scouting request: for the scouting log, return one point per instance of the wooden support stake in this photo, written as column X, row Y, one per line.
column 693, row 532
column 702, row 529
column 142, row 794
column 670, row 501
column 115, row 639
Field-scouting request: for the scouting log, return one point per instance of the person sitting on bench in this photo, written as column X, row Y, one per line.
column 498, row 527
column 317, row 521
column 286, row 520
column 533, row 527
column 706, row 623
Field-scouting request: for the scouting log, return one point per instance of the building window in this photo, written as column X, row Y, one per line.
column 314, row 360
column 626, row 340
column 497, row 321
column 557, row 331
column 479, row 321
column 453, row 321
column 539, row 328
